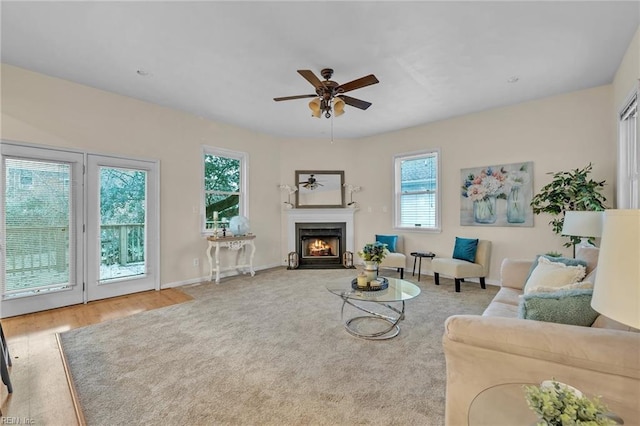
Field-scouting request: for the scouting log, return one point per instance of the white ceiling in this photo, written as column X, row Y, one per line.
column 226, row 61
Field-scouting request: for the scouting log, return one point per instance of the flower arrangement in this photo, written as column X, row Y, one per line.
column 489, row 183
column 557, row 404
column 374, row 252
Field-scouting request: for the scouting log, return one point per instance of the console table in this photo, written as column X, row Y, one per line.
column 234, row 244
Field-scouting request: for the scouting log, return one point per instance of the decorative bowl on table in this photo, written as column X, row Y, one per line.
column 378, row 284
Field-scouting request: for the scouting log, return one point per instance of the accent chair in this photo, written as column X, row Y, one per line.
column 460, row 269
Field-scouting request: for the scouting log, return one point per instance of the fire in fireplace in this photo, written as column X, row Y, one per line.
column 320, row 245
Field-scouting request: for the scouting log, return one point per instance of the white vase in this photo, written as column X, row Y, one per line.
column 371, row 270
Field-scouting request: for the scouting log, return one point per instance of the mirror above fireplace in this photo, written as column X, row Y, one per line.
column 320, row 188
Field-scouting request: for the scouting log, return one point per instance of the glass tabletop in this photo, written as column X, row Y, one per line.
column 397, row 291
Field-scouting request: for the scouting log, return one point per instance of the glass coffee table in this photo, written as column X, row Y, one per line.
column 383, row 309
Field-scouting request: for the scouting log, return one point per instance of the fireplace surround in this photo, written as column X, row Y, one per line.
column 320, row 236
column 320, row 245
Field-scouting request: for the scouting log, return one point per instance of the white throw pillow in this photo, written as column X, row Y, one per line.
column 550, row 274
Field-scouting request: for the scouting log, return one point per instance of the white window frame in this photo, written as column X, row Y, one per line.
column 397, row 194
column 628, row 193
column 243, row 157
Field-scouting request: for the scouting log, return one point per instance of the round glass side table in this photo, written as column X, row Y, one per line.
column 501, row 405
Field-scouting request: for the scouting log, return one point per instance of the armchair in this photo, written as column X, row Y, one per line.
column 395, row 259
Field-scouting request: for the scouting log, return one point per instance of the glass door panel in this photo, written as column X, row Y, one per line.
column 41, row 234
column 122, row 223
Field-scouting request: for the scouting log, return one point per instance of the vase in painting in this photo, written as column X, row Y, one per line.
column 484, row 210
column 516, row 211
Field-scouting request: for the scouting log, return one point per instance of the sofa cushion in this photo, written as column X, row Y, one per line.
column 389, row 240
column 499, row 309
column 507, row 295
column 553, row 274
column 465, row 249
column 571, row 307
column 588, row 255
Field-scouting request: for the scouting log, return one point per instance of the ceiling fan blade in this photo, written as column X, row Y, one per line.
column 311, row 78
column 367, row 80
column 355, row 102
column 287, row 98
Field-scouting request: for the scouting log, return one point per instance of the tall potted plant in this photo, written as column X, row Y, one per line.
column 569, row 191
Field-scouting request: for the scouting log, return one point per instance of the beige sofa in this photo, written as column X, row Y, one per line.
column 498, row 348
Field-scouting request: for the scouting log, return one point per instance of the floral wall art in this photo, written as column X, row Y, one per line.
column 497, row 195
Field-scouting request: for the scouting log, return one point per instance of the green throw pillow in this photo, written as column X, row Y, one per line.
column 465, row 249
column 389, row 240
column 565, row 260
column 571, row 307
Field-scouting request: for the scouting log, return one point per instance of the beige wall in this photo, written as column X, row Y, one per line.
column 558, row 133
column 48, row 111
column 628, row 74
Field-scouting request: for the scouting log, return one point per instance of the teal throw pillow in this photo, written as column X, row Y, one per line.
column 390, row 240
column 571, row 307
column 565, row 260
column 465, row 249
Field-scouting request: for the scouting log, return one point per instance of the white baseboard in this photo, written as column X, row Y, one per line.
column 206, row 277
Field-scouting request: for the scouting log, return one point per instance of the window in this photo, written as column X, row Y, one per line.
column 225, row 185
column 417, row 200
column 629, row 156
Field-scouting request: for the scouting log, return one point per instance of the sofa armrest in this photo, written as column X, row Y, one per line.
column 483, row 351
column 597, row 349
column 513, row 273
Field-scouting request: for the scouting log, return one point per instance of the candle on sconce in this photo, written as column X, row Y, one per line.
column 215, row 215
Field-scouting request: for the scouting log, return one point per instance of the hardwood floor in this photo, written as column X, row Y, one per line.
column 41, row 394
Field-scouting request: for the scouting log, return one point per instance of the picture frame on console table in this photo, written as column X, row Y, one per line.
column 319, row 189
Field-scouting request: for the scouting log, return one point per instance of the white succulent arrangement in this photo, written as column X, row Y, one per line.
column 351, row 189
column 290, row 191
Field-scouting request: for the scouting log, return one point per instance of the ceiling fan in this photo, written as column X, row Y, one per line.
column 311, row 183
column 331, row 94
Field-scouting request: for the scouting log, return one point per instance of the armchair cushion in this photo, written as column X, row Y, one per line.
column 465, row 249
column 390, row 240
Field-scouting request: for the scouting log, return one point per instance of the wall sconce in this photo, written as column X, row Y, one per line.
column 351, row 189
column 290, row 191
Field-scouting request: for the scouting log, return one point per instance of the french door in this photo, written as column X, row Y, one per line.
column 74, row 227
column 42, row 219
column 122, row 235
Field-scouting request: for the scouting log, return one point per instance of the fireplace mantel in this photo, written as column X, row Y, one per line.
column 320, row 215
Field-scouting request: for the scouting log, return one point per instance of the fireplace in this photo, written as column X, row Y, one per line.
column 320, row 245
column 332, row 226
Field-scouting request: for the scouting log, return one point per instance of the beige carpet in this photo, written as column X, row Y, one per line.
column 266, row 350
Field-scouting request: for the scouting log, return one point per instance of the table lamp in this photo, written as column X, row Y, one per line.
column 583, row 224
column 616, row 293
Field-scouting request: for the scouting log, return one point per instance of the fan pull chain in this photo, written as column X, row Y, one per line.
column 332, row 129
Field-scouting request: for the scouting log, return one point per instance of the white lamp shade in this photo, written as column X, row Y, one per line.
column 582, row 224
column 616, row 293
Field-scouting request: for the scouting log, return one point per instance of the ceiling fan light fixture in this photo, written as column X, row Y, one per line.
column 329, row 98
column 338, row 107
column 314, row 106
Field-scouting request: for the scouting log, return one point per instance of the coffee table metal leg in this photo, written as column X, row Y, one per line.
column 392, row 331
